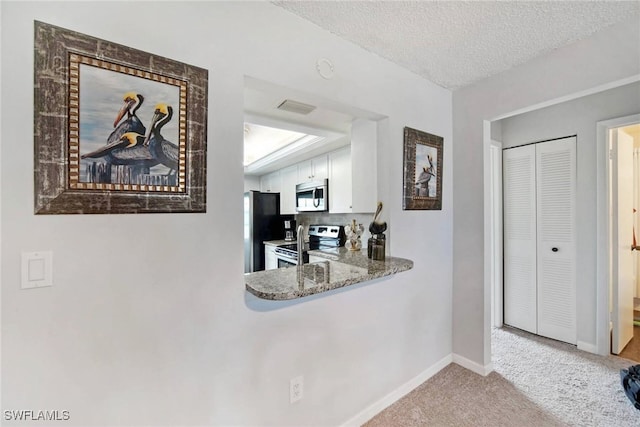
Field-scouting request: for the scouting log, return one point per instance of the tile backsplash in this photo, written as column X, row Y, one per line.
column 365, row 219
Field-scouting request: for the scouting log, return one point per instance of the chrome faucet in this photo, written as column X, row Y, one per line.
column 300, row 242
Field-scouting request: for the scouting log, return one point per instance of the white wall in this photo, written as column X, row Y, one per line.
column 148, row 321
column 578, row 117
column 579, row 67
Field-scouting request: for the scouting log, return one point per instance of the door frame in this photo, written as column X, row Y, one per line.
column 603, row 232
column 497, row 288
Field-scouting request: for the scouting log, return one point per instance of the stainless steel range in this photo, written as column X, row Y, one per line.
column 320, row 237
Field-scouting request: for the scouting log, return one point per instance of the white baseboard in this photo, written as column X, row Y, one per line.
column 473, row 366
column 588, row 347
column 377, row 407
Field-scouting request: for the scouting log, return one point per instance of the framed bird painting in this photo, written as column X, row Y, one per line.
column 117, row 130
column 422, row 170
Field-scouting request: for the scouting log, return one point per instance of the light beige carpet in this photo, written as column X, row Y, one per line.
column 536, row 382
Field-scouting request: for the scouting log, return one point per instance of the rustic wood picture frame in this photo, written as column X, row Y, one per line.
column 423, row 154
column 63, row 182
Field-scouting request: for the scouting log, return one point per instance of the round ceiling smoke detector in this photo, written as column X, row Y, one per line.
column 325, row 68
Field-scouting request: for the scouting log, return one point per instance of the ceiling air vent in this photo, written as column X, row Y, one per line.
column 296, row 107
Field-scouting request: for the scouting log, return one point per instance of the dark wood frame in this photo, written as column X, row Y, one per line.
column 411, row 201
column 58, row 52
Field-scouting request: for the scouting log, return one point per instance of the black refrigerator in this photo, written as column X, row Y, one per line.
column 262, row 222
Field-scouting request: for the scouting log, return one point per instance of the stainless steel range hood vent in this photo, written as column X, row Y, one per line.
column 296, row 107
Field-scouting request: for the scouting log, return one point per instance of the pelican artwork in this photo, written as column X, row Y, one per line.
column 164, row 151
column 131, row 103
column 128, row 150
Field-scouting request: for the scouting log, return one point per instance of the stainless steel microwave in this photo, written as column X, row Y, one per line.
column 312, row 196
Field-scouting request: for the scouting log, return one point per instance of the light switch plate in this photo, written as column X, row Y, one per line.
column 37, row 269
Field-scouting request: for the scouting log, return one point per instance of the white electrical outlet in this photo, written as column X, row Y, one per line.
column 296, row 389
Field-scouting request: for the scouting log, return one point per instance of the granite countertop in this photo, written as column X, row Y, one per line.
column 339, row 268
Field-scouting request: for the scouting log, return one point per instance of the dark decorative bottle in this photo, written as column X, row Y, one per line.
column 377, row 241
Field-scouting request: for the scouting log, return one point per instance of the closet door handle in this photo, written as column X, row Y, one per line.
column 554, row 249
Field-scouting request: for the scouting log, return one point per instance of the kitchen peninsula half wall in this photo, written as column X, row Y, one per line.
column 335, row 268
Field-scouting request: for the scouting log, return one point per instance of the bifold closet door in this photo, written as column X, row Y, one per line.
column 539, row 238
column 556, row 238
column 519, row 216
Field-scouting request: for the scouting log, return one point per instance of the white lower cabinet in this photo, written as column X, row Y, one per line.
column 270, row 259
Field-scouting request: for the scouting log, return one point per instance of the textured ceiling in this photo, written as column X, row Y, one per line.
column 456, row 43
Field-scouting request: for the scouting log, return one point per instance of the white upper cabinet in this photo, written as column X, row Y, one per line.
column 289, row 178
column 364, row 134
column 305, row 171
column 320, row 167
column 270, row 183
column 340, row 181
column 313, row 169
